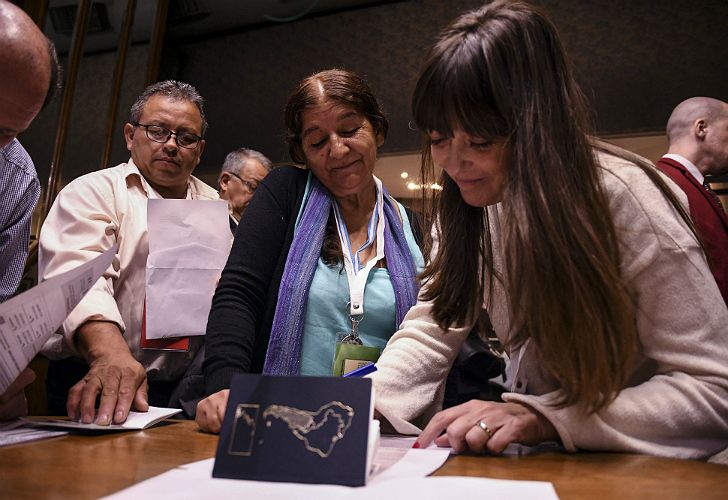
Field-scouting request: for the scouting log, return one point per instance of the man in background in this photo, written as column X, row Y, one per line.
column 28, row 80
column 100, row 353
column 241, row 173
column 697, row 132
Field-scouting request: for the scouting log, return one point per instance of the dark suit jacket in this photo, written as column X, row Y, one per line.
column 710, row 220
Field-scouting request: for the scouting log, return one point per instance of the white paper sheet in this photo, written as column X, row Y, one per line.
column 395, row 459
column 194, row 481
column 136, row 420
column 389, row 463
column 372, row 442
column 189, row 242
column 18, row 431
column 28, row 320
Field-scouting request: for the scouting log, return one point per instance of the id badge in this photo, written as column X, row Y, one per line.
column 350, row 356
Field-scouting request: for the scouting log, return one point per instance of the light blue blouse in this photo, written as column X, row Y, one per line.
column 327, row 312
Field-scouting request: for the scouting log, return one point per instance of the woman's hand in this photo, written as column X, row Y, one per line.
column 211, row 411
column 484, row 425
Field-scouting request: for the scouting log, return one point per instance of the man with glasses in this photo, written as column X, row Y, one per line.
column 99, row 354
column 243, row 170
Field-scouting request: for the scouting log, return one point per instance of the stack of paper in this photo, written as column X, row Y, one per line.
column 18, row 431
column 136, row 420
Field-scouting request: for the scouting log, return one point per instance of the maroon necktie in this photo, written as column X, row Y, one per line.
column 712, row 193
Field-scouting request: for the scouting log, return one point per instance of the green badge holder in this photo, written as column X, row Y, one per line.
column 348, row 357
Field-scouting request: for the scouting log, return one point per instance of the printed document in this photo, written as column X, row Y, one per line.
column 18, row 431
column 28, row 320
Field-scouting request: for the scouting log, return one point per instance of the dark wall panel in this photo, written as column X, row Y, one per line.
column 635, row 59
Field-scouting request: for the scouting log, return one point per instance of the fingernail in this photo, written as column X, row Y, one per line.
column 102, row 420
column 416, row 445
column 119, row 415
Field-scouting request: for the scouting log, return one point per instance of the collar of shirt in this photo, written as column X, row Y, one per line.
column 232, row 214
column 687, row 164
column 132, row 170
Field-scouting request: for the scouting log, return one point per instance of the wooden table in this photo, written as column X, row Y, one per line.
column 90, row 466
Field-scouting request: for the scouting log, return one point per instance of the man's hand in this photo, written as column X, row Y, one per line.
column 502, row 424
column 12, row 402
column 211, row 411
column 114, row 374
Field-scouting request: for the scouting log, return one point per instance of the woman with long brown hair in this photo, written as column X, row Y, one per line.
column 581, row 254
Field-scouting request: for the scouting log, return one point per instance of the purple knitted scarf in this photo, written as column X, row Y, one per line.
column 284, row 347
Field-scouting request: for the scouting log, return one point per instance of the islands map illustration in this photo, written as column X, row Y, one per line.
column 318, row 431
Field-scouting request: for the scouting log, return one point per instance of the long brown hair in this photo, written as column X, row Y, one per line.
column 500, row 72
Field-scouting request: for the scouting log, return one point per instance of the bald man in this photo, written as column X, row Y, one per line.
column 697, row 132
column 28, row 76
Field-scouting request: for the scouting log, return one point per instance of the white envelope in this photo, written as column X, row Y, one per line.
column 189, row 242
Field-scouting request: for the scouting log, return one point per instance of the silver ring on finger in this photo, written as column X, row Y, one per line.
column 484, row 427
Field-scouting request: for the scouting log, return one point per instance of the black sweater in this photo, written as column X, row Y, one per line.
column 238, row 328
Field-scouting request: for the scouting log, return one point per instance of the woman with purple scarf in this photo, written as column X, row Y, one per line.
column 325, row 263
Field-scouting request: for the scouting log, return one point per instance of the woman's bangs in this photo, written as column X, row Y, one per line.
column 431, row 102
column 454, row 92
column 473, row 98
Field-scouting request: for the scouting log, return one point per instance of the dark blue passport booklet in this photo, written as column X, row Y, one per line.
column 296, row 429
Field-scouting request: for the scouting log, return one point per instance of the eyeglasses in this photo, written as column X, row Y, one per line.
column 249, row 186
column 157, row 133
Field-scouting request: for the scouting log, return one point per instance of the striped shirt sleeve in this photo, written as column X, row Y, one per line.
column 19, row 193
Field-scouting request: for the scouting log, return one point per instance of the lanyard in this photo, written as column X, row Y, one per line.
column 355, row 273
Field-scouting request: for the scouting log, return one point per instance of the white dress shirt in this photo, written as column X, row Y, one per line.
column 687, row 164
column 89, row 215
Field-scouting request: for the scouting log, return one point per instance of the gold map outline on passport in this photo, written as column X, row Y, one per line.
column 301, row 423
column 243, row 412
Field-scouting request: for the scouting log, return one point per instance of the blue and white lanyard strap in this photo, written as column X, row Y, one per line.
column 356, row 272
column 355, row 256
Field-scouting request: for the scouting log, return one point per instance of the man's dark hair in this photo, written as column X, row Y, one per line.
column 174, row 90
column 56, row 81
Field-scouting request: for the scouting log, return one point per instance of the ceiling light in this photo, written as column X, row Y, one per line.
column 434, row 186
